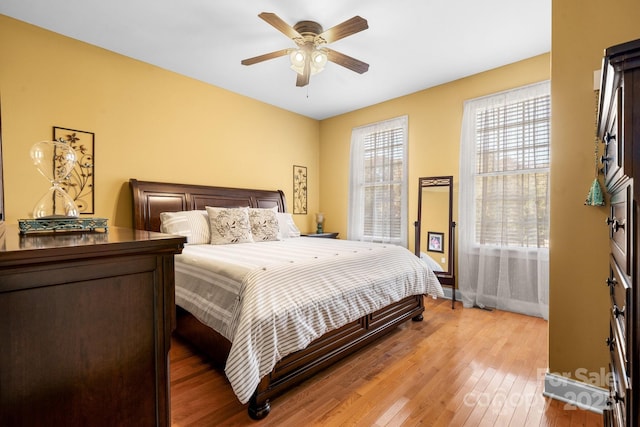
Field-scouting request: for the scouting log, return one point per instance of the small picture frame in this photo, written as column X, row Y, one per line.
column 435, row 241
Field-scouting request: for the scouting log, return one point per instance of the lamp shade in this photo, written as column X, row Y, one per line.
column 318, row 60
column 297, row 58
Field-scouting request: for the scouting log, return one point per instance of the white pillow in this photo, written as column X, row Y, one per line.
column 193, row 225
column 287, row 227
column 229, row 225
column 264, row 224
column 432, row 263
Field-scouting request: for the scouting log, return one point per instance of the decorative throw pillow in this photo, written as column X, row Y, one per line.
column 193, row 225
column 287, row 228
column 264, row 224
column 229, row 225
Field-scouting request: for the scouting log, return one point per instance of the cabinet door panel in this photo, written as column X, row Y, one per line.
column 80, row 350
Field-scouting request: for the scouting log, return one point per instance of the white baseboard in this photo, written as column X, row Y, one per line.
column 576, row 393
column 448, row 293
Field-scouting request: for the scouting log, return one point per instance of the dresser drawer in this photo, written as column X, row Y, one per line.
column 619, row 385
column 620, row 291
column 618, row 220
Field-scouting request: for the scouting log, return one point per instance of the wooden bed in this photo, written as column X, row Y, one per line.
column 152, row 198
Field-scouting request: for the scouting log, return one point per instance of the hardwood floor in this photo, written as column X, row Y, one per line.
column 462, row 367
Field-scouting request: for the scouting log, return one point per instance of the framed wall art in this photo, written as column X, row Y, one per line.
column 80, row 182
column 435, row 241
column 299, row 189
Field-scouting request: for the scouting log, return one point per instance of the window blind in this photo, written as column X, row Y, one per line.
column 377, row 207
column 512, row 174
column 383, row 153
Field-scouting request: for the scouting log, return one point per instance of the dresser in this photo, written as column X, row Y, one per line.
column 619, row 130
column 85, row 327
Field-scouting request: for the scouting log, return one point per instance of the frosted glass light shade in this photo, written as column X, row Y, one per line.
column 297, row 59
column 319, row 60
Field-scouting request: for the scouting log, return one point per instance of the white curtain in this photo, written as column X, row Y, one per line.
column 378, row 182
column 504, row 201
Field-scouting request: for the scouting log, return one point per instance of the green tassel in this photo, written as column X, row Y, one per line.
column 595, row 197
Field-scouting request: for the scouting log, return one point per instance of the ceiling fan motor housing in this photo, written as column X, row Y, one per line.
column 308, row 30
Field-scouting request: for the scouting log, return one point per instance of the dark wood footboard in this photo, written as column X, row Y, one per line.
column 330, row 348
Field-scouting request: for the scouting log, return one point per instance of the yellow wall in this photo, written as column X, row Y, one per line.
column 578, row 314
column 149, row 124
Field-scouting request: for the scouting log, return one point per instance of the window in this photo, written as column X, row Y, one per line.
column 378, row 182
column 503, row 233
column 512, row 173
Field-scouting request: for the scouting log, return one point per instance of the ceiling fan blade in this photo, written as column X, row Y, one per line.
column 303, row 79
column 347, row 61
column 265, row 57
column 286, row 29
column 340, row 31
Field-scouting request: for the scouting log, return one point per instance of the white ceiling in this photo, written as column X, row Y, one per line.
column 410, row 44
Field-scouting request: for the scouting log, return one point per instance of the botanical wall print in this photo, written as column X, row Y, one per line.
column 299, row 189
column 79, row 183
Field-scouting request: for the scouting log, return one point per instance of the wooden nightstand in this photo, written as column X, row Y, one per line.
column 325, row 235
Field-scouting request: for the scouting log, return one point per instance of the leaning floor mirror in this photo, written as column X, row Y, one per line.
column 435, row 228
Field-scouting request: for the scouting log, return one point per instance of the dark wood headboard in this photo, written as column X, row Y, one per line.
column 152, row 198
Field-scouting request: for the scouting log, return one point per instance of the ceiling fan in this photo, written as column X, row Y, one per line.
column 311, row 54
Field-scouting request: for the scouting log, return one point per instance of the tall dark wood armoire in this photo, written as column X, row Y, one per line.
column 619, row 130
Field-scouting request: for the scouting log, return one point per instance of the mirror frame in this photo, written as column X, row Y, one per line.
column 2, row 217
column 445, row 277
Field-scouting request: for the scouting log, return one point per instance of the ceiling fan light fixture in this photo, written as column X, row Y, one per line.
column 297, row 58
column 318, row 59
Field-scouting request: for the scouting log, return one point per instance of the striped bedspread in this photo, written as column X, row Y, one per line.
column 271, row 299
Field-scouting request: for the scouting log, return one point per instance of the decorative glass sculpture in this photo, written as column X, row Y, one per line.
column 55, row 161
